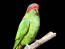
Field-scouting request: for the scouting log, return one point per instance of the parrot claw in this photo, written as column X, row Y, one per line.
column 28, row 46
column 37, row 41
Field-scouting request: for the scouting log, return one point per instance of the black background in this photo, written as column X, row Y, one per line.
column 51, row 18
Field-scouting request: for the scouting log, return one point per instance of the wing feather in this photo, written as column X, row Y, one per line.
column 22, row 30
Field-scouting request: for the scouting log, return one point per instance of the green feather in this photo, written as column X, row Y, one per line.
column 27, row 29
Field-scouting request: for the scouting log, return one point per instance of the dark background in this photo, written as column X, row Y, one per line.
column 51, row 18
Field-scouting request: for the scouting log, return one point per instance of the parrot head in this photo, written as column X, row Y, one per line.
column 33, row 6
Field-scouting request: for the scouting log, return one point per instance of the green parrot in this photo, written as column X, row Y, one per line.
column 28, row 27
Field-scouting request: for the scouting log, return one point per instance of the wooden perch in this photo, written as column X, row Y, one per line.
column 41, row 41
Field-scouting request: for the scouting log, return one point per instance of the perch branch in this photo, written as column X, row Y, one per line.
column 41, row 41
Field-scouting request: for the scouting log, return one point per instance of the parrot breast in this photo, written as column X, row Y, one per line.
column 33, row 29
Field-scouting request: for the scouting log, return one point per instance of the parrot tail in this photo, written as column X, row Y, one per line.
column 18, row 47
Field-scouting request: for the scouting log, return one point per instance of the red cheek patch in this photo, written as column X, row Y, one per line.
column 35, row 6
column 29, row 9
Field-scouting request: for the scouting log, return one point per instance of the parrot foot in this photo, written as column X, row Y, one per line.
column 28, row 46
column 37, row 41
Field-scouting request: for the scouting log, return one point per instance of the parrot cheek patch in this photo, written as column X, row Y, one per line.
column 29, row 9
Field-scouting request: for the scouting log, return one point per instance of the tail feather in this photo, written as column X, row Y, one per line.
column 18, row 47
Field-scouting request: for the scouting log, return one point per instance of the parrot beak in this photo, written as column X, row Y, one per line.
column 36, row 10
